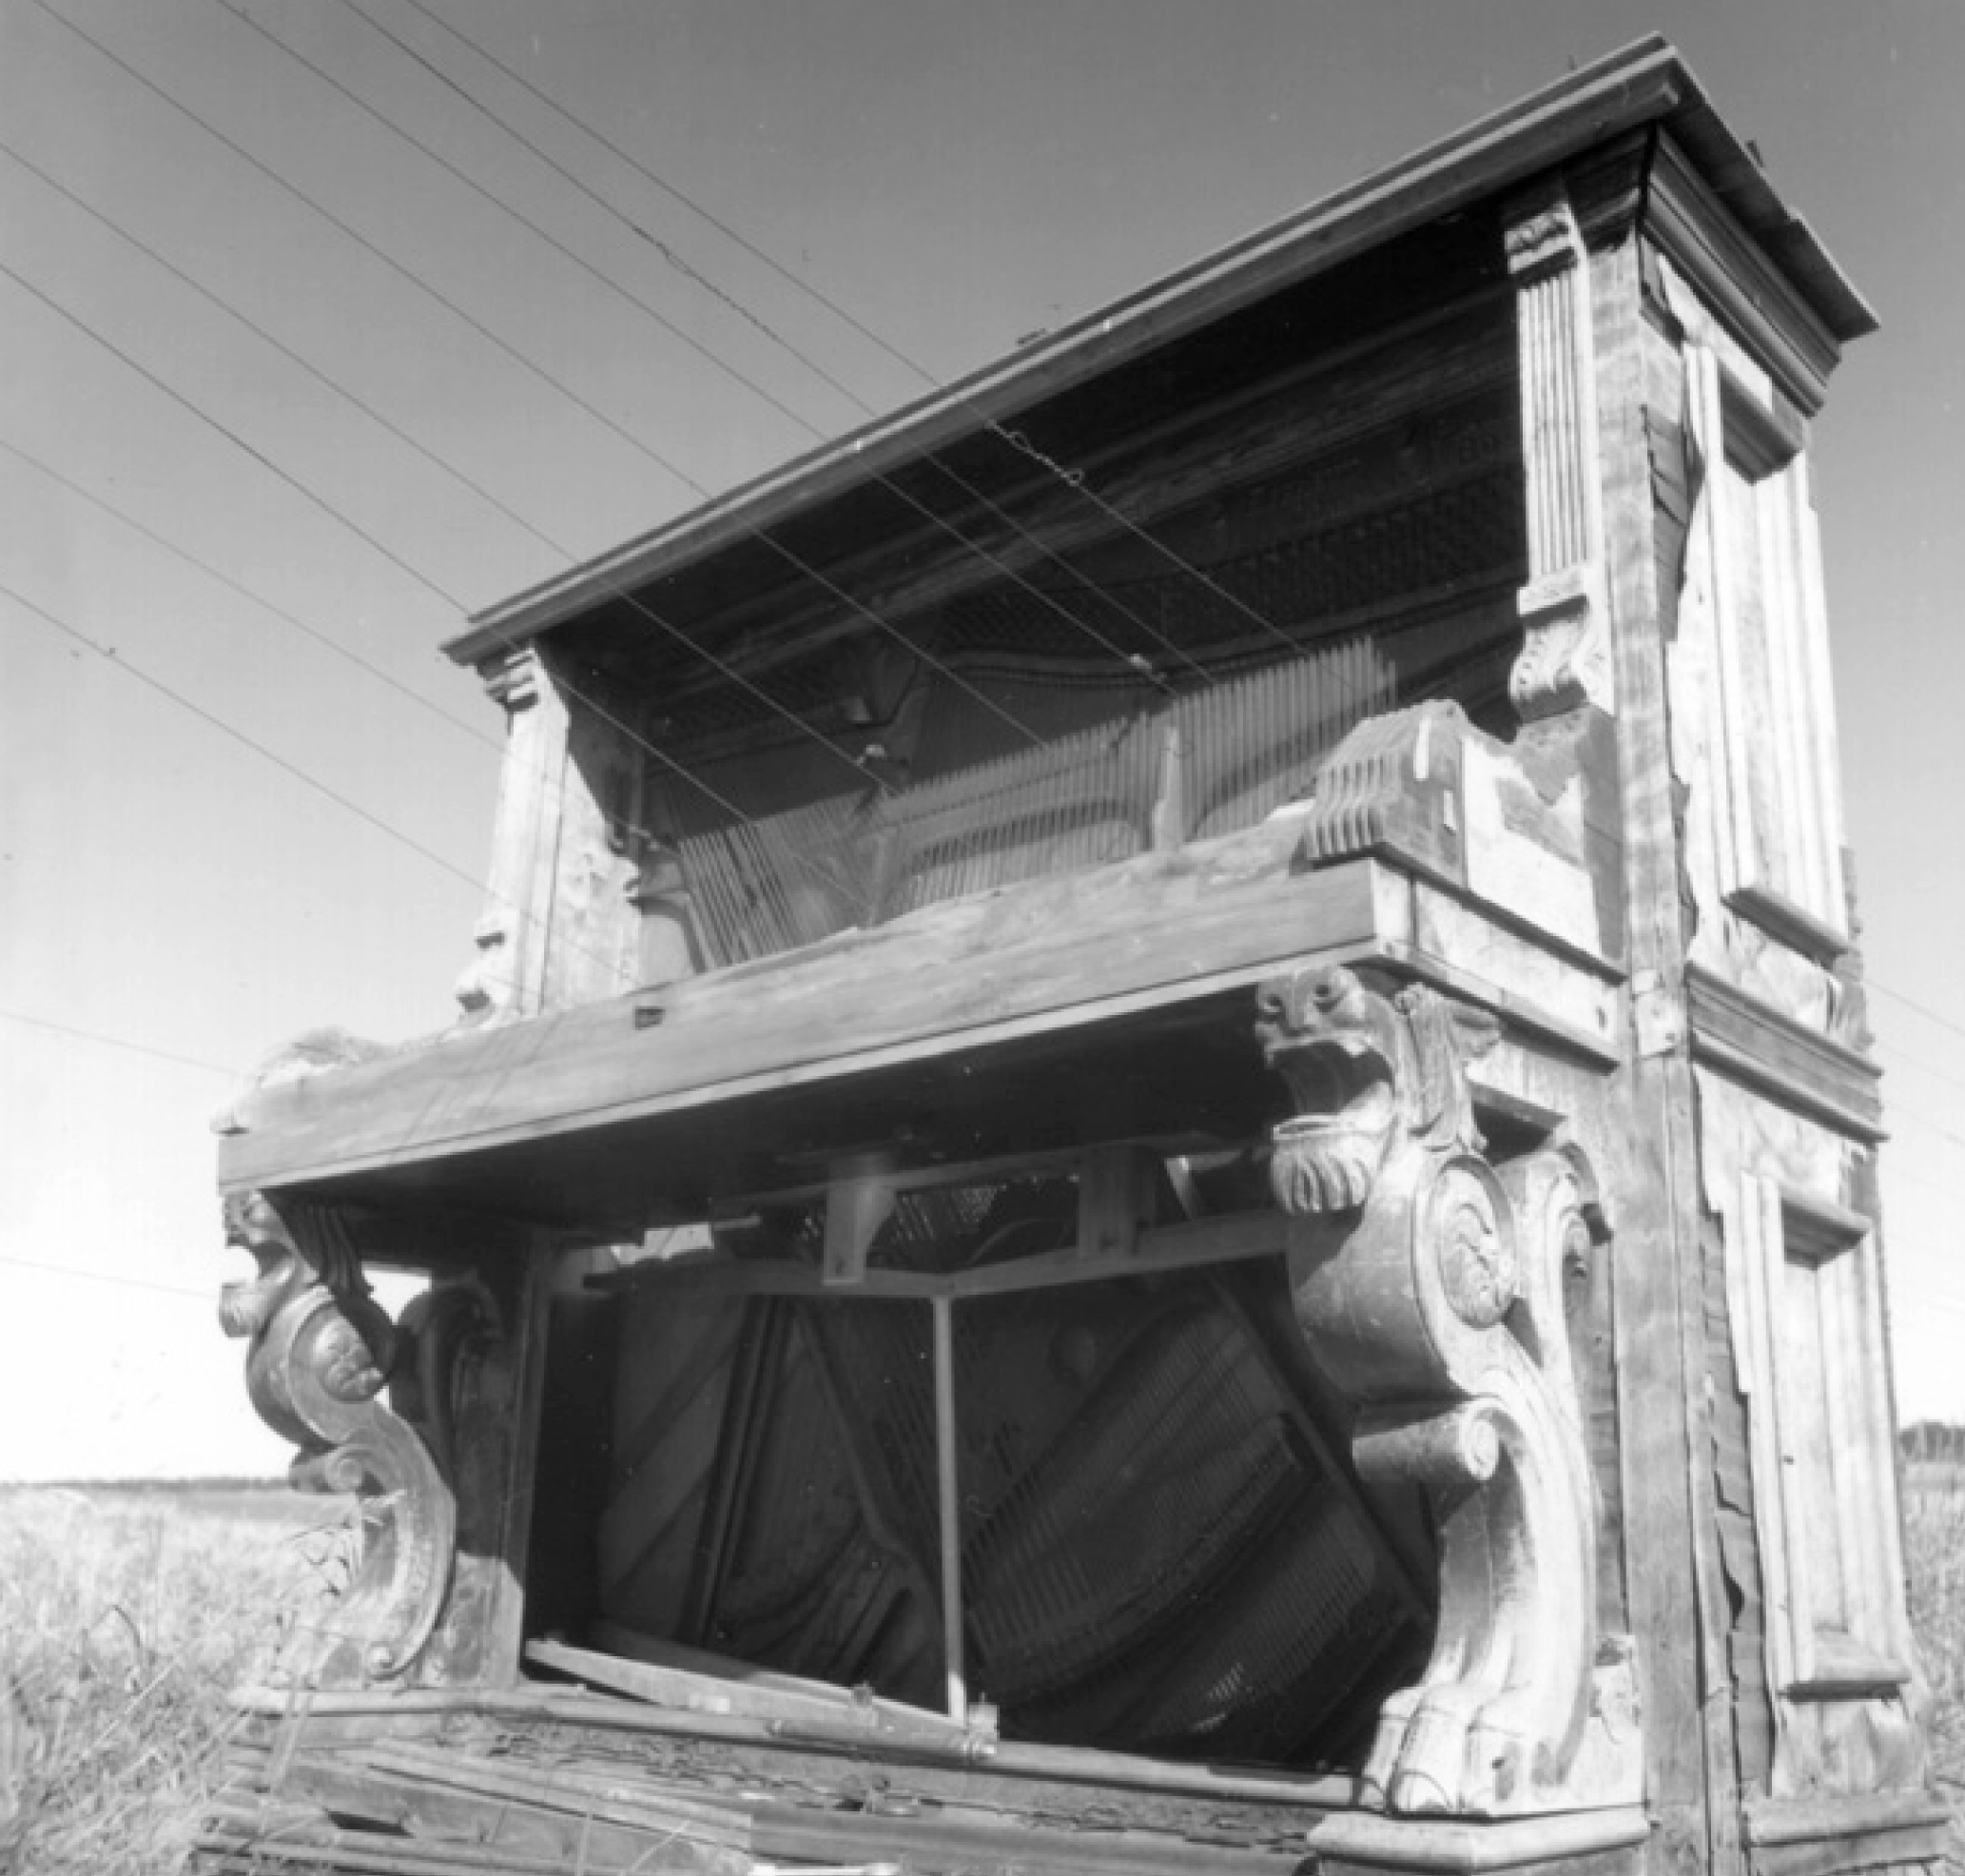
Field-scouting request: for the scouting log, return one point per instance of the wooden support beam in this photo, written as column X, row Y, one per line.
column 690, row 1680
column 1118, row 1194
column 1673, row 1570
column 1062, row 1162
column 950, row 1505
column 1068, row 952
column 1192, row 1244
column 859, row 1199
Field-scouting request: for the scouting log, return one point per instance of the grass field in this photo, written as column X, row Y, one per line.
column 126, row 1613
column 124, row 1618
column 1934, row 1543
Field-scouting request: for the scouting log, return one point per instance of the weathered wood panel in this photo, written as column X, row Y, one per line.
column 1070, row 951
column 559, row 925
column 1672, row 1591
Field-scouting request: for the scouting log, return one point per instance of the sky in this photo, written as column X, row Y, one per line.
column 242, row 792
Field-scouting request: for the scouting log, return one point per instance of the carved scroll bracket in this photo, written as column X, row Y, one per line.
column 1431, row 1285
column 1565, row 660
column 321, row 1352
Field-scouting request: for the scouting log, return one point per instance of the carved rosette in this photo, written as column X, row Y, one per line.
column 322, row 1351
column 1430, row 1285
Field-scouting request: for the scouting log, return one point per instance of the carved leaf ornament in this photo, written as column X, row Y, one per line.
column 322, row 1351
column 1431, row 1286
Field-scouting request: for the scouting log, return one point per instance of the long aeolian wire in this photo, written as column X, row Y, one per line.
column 1072, row 479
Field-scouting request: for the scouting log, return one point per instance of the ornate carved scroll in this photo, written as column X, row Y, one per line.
column 1565, row 657
column 1430, row 1285
column 321, row 1351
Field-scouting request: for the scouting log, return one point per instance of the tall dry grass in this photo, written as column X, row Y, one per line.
column 1935, row 1558
column 126, row 1617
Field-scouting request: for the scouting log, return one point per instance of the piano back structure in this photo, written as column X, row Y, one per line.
column 1160, row 1150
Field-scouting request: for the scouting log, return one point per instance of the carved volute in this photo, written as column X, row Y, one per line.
column 1430, row 1285
column 321, row 1351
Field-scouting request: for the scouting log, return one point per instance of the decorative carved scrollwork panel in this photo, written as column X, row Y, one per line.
column 1430, row 1285
column 321, row 1351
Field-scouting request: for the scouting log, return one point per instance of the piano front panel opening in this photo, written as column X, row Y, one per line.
column 1160, row 1549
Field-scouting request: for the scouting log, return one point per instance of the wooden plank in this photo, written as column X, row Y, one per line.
column 568, row 1789
column 1805, row 1820
column 491, row 1468
column 1652, row 1169
column 508, row 976
column 516, row 1834
column 1077, row 951
column 953, row 1842
column 1118, row 1188
column 1535, row 984
column 816, row 1699
column 1766, row 1048
column 948, row 1511
column 1064, row 1161
column 1924, row 1844
column 356, row 1718
column 1189, row 1245
column 1192, row 1244
column 690, row 1691
column 595, row 943
column 256, row 1842
column 1069, row 952
column 1753, row 1710
column 1453, row 1847
column 504, row 1618
column 767, row 1276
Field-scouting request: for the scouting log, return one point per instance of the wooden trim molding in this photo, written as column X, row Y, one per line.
column 1873, row 1850
column 1826, row 1836
column 1780, row 918
column 1753, row 644
column 1358, row 1841
column 1733, row 273
column 1565, row 657
column 1762, row 1047
column 1776, row 1821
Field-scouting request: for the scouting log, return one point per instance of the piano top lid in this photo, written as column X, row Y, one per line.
column 1645, row 83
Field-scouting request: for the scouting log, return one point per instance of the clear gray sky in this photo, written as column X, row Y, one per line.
column 959, row 172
